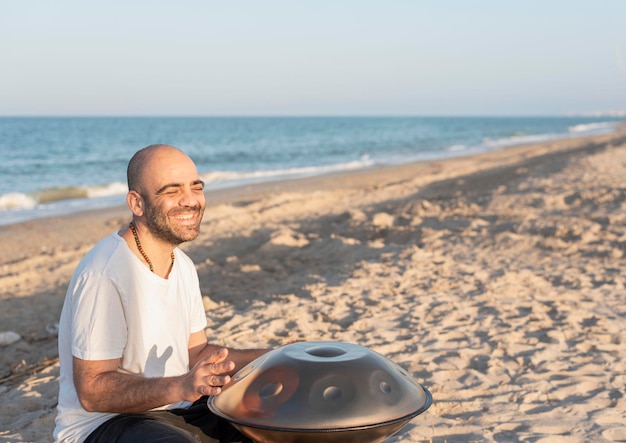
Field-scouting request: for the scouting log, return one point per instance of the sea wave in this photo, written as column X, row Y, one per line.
column 214, row 180
column 593, row 127
column 18, row 201
column 573, row 131
column 456, row 148
column 219, row 179
column 115, row 188
column 516, row 140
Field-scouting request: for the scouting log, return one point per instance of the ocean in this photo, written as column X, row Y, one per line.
column 53, row 166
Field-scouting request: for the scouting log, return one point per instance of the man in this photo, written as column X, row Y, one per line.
column 135, row 362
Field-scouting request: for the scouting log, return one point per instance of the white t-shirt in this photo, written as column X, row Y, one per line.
column 116, row 307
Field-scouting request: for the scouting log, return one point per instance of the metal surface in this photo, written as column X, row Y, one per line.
column 321, row 391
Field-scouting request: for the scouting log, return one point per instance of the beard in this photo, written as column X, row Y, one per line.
column 158, row 222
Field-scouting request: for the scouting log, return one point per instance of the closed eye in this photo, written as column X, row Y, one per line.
column 168, row 190
column 198, row 186
column 173, row 188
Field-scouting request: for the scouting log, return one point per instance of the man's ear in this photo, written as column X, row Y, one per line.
column 135, row 202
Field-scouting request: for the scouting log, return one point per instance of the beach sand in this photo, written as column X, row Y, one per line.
column 496, row 280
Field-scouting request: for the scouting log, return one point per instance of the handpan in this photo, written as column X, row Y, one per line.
column 320, row 392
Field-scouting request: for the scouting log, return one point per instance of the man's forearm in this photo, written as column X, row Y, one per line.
column 128, row 393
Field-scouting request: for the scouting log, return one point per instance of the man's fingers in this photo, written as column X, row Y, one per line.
column 216, row 363
column 217, row 356
column 218, row 368
column 212, row 384
column 216, row 380
column 221, row 368
column 209, row 390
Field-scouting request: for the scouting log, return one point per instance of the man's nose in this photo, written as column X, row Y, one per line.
column 189, row 198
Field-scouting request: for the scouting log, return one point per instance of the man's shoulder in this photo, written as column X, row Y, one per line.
column 103, row 251
column 184, row 260
column 108, row 244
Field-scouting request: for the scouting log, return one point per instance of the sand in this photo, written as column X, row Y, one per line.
column 496, row 280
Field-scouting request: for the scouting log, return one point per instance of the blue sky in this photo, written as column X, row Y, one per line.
column 323, row 57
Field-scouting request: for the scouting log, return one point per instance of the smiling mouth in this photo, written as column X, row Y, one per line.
column 186, row 217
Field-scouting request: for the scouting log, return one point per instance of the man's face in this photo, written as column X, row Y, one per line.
column 173, row 198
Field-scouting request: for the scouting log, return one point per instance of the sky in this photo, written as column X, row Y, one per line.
column 322, row 57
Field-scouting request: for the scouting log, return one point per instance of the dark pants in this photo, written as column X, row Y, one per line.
column 194, row 424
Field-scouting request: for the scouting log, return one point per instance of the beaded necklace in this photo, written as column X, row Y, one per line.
column 140, row 248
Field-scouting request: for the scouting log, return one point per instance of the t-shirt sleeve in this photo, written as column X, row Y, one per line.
column 198, row 316
column 98, row 323
column 197, row 320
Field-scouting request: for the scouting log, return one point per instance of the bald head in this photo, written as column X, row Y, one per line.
column 140, row 161
column 165, row 193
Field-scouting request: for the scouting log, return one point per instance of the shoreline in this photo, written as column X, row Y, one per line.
column 62, row 200
column 495, row 279
column 464, row 164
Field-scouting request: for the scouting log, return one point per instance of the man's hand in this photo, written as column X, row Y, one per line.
column 208, row 375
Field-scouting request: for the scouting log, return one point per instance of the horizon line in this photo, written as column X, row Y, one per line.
column 614, row 114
